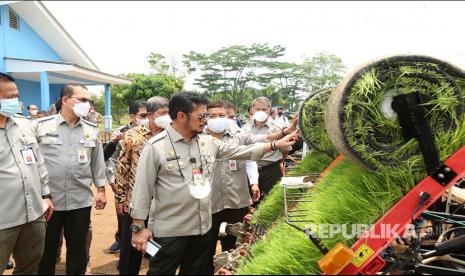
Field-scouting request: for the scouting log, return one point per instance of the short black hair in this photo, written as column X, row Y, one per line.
column 68, row 89
column 249, row 109
column 134, row 107
column 6, row 78
column 58, row 105
column 184, row 102
column 29, row 106
column 218, row 104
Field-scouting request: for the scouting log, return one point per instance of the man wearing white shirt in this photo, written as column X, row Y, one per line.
column 281, row 120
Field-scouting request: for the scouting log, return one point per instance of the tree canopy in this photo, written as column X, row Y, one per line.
column 240, row 73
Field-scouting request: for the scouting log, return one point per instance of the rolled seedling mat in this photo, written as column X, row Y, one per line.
column 312, row 122
column 362, row 124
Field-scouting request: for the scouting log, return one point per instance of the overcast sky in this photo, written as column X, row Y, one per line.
column 118, row 36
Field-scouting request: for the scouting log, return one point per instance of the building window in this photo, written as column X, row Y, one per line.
column 13, row 19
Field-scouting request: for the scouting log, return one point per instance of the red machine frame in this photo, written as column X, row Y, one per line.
column 401, row 214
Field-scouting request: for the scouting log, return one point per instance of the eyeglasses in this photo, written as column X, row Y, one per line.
column 202, row 116
column 142, row 115
column 83, row 100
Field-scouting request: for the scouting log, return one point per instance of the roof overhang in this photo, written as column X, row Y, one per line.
column 49, row 29
column 59, row 72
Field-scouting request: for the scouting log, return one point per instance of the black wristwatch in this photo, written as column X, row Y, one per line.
column 49, row 196
column 282, row 131
column 136, row 228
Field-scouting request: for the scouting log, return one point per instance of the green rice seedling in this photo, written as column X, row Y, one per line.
column 312, row 122
column 283, row 251
column 272, row 206
column 363, row 124
column 313, row 162
column 349, row 194
column 346, row 195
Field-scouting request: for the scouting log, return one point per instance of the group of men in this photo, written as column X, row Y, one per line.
column 180, row 170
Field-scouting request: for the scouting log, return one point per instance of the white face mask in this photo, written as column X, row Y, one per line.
column 81, row 109
column 218, row 125
column 33, row 112
column 260, row 116
column 199, row 191
column 163, row 121
column 231, row 123
column 141, row 122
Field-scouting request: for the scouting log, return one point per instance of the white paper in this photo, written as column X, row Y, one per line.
column 296, row 182
column 152, row 248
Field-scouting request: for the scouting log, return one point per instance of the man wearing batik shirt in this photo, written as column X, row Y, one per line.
column 126, row 165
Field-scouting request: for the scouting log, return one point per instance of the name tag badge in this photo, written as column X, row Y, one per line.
column 198, row 177
column 28, row 156
column 82, row 156
column 232, row 165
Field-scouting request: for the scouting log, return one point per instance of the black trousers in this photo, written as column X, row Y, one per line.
column 228, row 242
column 75, row 224
column 88, row 242
column 190, row 253
column 129, row 258
column 267, row 178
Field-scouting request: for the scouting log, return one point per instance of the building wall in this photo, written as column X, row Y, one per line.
column 55, row 92
column 29, row 93
column 25, row 43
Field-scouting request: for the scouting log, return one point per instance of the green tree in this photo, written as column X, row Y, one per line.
column 231, row 71
column 284, row 81
column 321, row 71
column 157, row 63
column 118, row 107
column 144, row 87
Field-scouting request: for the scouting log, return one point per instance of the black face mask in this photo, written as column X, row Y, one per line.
column 280, row 113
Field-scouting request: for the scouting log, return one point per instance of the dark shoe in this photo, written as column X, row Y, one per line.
column 10, row 265
column 114, row 248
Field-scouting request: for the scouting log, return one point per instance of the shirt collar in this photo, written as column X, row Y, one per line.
column 9, row 122
column 268, row 123
column 231, row 132
column 174, row 135
column 61, row 120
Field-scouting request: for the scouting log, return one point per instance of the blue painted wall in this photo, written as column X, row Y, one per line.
column 25, row 43
column 29, row 93
column 54, row 92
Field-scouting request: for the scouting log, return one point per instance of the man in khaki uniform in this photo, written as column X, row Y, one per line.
column 175, row 169
column 25, row 204
column 269, row 167
column 230, row 191
column 74, row 158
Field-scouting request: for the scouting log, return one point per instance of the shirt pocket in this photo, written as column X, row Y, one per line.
column 173, row 166
column 50, row 140
column 50, row 146
column 90, row 144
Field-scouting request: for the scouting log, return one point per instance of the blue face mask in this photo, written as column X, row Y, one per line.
column 9, row 107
